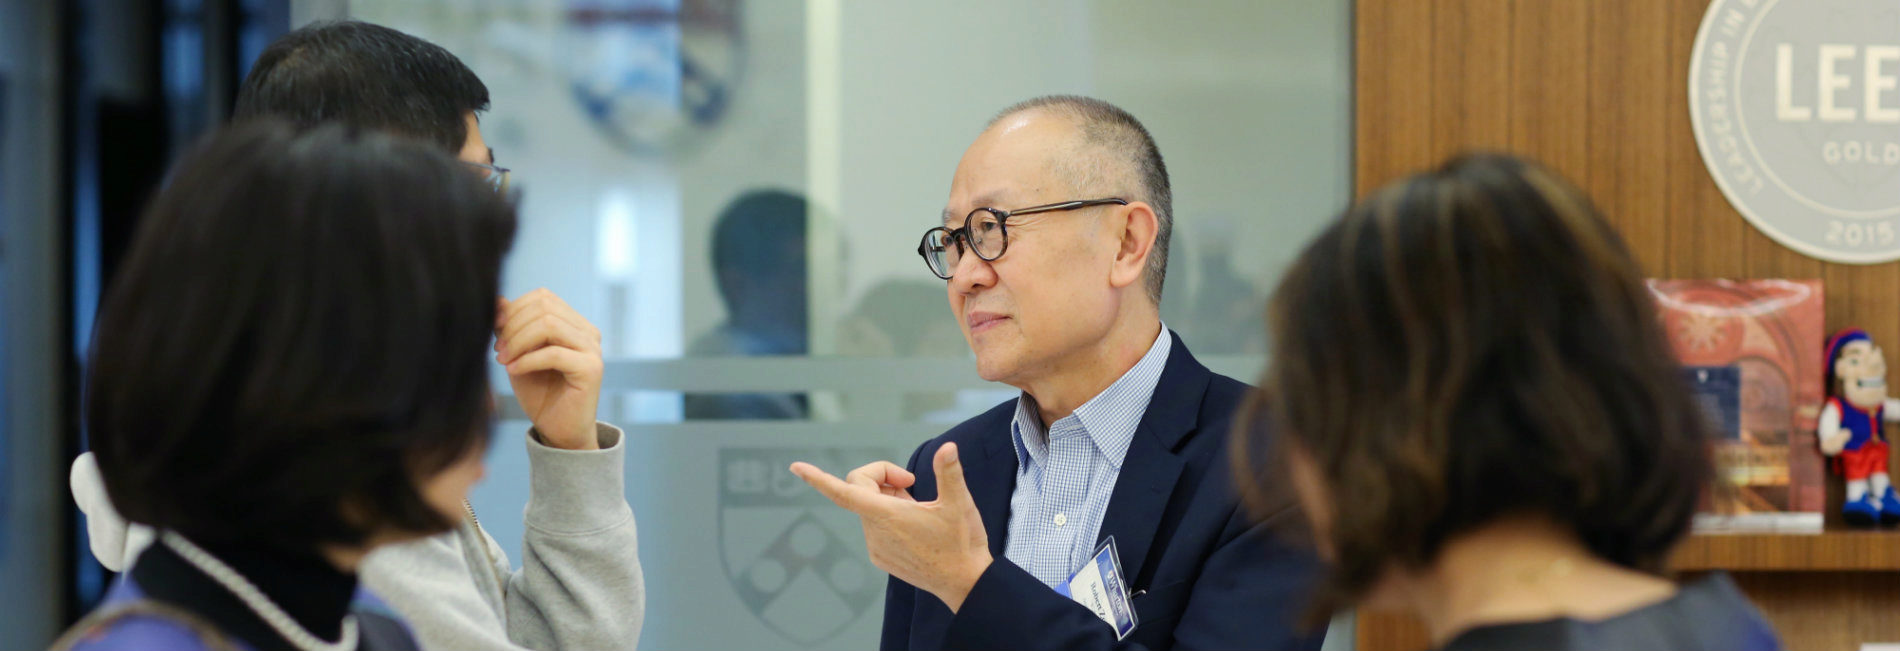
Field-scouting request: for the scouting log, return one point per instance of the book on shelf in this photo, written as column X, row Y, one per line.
column 1751, row 353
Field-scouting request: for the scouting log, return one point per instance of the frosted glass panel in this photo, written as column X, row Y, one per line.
column 733, row 191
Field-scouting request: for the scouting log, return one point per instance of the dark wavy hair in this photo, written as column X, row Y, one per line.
column 1468, row 344
column 298, row 335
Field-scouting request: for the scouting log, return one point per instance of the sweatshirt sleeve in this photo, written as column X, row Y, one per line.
column 428, row 582
column 580, row 585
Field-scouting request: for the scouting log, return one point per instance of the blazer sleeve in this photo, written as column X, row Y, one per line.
column 1248, row 595
column 900, row 598
column 1253, row 592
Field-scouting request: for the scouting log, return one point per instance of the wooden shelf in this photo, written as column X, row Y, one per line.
column 1830, row 551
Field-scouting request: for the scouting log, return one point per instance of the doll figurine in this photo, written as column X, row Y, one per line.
column 1852, row 427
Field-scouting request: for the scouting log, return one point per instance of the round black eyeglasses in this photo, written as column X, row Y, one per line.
column 985, row 231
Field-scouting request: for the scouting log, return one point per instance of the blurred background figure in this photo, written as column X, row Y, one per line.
column 905, row 319
column 758, row 259
column 902, row 318
column 1485, row 424
column 1215, row 303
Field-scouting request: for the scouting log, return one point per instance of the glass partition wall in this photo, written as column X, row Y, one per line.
column 734, row 190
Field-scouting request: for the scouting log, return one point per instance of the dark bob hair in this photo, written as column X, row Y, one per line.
column 298, row 336
column 1469, row 344
column 366, row 76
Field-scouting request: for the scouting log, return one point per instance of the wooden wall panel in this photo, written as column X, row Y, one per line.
column 1827, row 610
column 1598, row 90
column 1392, row 104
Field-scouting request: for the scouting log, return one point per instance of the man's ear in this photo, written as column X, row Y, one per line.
column 1138, row 226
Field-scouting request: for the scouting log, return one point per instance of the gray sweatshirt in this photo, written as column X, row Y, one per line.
column 579, row 588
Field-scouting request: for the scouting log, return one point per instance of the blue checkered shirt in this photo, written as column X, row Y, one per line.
column 1064, row 478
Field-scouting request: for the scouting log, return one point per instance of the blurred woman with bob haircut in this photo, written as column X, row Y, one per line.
column 289, row 371
column 1479, row 412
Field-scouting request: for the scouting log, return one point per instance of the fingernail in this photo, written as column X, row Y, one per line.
column 953, row 451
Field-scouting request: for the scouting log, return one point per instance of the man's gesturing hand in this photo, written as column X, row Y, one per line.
column 940, row 546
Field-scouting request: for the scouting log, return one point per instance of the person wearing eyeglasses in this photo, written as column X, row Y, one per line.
column 997, row 533
column 580, row 585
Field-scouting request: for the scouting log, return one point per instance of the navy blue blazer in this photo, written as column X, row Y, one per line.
column 1205, row 574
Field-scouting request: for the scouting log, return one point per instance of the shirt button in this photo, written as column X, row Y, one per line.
column 1061, row 519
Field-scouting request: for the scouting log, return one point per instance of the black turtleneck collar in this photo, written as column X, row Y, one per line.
column 307, row 587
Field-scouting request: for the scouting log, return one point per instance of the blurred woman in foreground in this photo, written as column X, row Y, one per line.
column 1485, row 424
column 288, row 372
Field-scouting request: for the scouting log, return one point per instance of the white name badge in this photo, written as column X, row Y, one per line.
column 1099, row 586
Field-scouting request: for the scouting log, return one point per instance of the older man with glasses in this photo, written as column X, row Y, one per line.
column 1098, row 509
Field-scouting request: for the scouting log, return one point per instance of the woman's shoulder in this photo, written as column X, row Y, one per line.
column 1723, row 616
column 136, row 630
column 382, row 628
column 1709, row 614
column 128, row 621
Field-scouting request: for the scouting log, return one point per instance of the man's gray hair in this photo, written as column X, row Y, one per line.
column 1115, row 153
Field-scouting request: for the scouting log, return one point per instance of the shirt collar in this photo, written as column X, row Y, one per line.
column 1110, row 418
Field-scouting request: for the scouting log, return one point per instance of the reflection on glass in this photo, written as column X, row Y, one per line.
column 1210, row 302
column 902, row 318
column 758, row 259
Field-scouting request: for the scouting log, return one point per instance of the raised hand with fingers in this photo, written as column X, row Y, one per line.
column 554, row 363
column 939, row 546
column 888, row 478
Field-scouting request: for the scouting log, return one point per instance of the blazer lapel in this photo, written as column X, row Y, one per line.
column 1151, row 469
column 991, row 485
